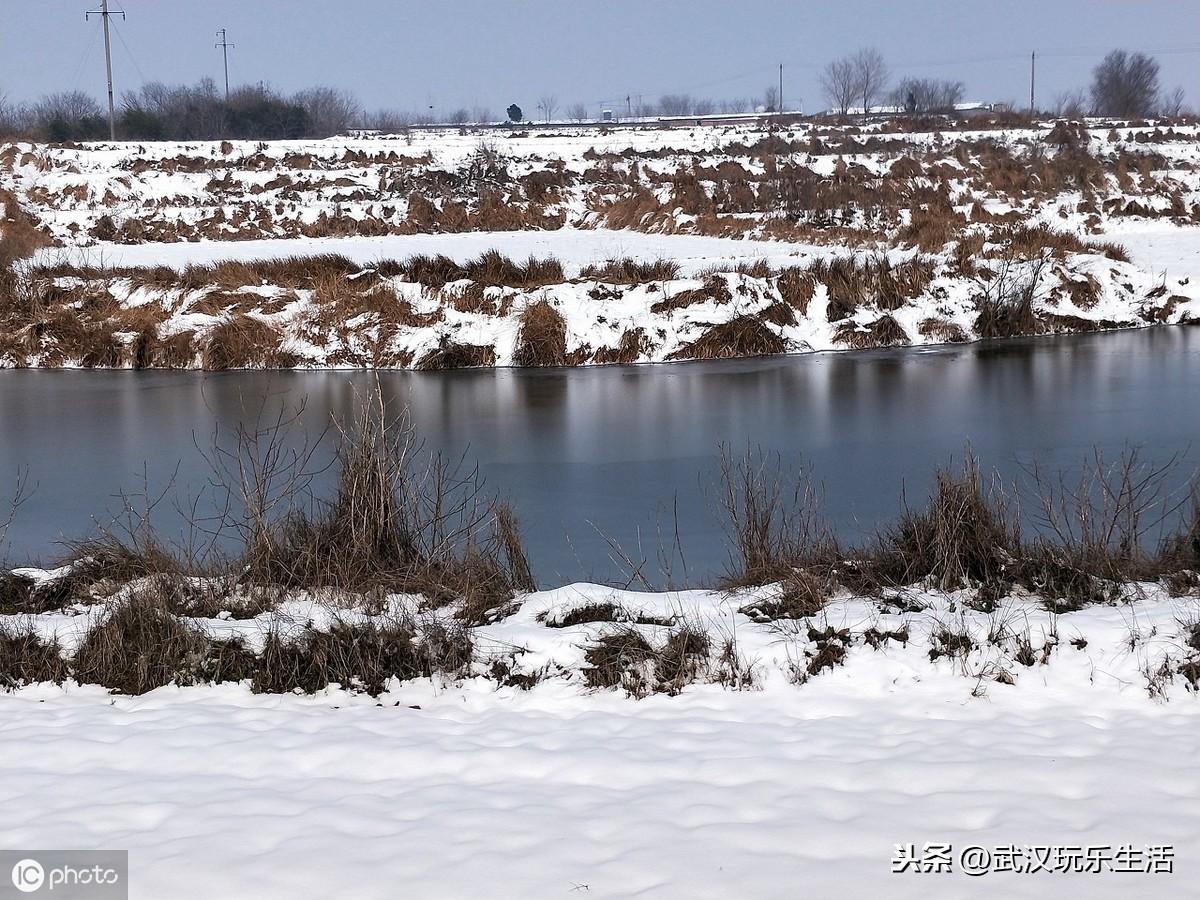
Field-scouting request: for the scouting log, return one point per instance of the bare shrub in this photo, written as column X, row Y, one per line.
column 399, row 520
column 1113, row 522
column 772, row 517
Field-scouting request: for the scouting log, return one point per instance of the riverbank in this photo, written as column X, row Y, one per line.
column 436, row 313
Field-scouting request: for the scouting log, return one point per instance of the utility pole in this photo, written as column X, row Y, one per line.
column 224, row 46
column 780, row 100
column 1032, row 77
column 103, row 13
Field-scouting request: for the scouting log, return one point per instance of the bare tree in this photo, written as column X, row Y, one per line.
column 928, row 95
column 1125, row 84
column 548, row 105
column 704, row 106
column 460, row 116
column 1172, row 103
column 481, row 114
column 839, row 81
column 675, row 105
column 330, row 110
column 870, row 75
column 577, row 112
column 1071, row 104
column 771, row 98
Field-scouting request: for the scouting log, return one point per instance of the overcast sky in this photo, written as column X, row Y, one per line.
column 410, row 55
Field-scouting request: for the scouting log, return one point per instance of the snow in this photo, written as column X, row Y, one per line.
column 472, row 790
column 575, row 248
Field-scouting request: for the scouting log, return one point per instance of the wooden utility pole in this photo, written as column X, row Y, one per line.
column 779, row 101
column 103, row 13
column 223, row 45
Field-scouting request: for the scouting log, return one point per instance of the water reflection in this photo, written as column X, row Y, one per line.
column 589, row 453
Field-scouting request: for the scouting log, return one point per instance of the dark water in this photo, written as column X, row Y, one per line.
column 593, row 455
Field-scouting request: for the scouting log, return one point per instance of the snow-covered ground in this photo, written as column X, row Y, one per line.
column 782, row 789
column 574, row 248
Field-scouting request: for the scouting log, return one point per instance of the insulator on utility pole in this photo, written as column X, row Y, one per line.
column 103, row 13
column 223, row 45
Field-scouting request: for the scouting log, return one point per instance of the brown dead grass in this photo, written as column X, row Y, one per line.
column 244, row 342
column 942, row 330
column 883, row 332
column 741, row 337
column 542, row 338
column 714, row 289
column 634, row 346
column 630, row 271
column 453, row 355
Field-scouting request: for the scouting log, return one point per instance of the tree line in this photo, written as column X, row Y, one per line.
column 1123, row 84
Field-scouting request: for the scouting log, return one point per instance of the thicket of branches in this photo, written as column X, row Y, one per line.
column 201, row 111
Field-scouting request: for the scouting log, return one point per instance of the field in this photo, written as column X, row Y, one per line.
column 590, row 246
column 368, row 694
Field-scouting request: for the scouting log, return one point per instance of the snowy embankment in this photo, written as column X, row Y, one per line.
column 874, row 723
column 593, row 297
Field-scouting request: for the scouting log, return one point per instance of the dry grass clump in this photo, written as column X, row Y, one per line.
column 624, row 658
column 965, row 535
column 627, row 270
column 152, row 351
column 27, row 658
column 290, row 272
column 542, row 338
column 633, row 346
column 362, row 657
column 796, row 286
column 883, row 332
column 853, row 282
column 492, row 269
column 496, row 270
column 140, row 646
column 1031, row 242
column 714, row 289
column 431, row 271
column 803, row 593
column 454, row 355
column 244, row 342
column 942, row 330
column 19, row 235
column 740, row 337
